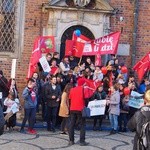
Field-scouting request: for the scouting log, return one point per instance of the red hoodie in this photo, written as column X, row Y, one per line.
column 76, row 99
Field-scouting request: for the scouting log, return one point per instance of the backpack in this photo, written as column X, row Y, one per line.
column 144, row 139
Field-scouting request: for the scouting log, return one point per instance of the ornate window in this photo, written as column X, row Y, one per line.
column 10, row 17
column 7, row 25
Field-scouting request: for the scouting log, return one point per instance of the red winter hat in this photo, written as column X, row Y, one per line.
column 80, row 81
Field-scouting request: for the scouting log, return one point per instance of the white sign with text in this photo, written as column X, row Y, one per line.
column 97, row 107
column 44, row 64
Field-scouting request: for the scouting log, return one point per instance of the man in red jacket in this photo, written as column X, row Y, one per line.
column 76, row 106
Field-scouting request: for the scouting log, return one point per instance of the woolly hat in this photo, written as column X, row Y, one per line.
column 80, row 81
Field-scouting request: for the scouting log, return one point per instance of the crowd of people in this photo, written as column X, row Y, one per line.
column 60, row 95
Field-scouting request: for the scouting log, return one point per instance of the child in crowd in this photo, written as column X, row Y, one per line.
column 98, row 75
column 12, row 105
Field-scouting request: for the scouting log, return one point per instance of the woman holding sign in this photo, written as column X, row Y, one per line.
column 114, row 109
column 100, row 94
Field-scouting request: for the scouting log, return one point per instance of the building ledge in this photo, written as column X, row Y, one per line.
column 47, row 7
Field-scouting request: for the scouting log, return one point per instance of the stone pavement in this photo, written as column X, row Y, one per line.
column 44, row 140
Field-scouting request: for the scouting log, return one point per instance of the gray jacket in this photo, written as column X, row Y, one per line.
column 28, row 102
column 114, row 107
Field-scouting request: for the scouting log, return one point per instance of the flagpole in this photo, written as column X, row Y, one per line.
column 80, row 61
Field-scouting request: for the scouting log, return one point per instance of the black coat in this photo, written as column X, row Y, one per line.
column 99, row 95
column 136, row 122
column 4, row 86
column 49, row 92
column 2, row 121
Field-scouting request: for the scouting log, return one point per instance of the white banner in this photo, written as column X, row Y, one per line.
column 97, row 107
column 13, row 69
column 44, row 64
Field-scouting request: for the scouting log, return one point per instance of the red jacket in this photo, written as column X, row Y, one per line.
column 76, row 99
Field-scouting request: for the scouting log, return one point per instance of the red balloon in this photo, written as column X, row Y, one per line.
column 104, row 70
column 124, row 69
column 126, row 91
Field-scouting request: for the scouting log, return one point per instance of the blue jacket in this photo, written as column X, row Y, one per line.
column 28, row 102
column 142, row 88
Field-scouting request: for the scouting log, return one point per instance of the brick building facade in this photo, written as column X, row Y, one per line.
column 34, row 19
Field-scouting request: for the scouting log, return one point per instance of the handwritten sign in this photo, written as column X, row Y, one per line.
column 44, row 64
column 97, row 107
column 136, row 102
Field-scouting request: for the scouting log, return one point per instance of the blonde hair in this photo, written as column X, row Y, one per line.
column 76, row 69
column 147, row 96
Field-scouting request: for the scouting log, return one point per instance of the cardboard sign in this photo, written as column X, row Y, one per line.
column 44, row 64
column 136, row 102
column 13, row 69
column 97, row 107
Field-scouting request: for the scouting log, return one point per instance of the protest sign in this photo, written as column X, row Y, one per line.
column 97, row 107
column 44, row 64
column 136, row 94
column 13, row 69
column 136, row 102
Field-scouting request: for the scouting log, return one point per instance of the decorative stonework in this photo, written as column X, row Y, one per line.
column 81, row 3
column 61, row 18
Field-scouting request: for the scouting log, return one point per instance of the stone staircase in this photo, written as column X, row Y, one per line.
column 41, row 124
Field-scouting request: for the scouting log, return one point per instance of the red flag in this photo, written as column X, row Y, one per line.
column 142, row 66
column 47, row 44
column 35, row 56
column 81, row 38
column 69, row 47
column 90, row 87
column 42, row 44
column 78, row 49
column 74, row 48
column 107, row 44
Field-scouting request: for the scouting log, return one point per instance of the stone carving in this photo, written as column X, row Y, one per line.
column 81, row 3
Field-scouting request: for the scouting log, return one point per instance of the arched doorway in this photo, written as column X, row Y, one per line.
column 67, row 35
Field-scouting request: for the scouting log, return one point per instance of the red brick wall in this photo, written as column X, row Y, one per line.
column 34, row 22
column 143, row 41
column 125, row 10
